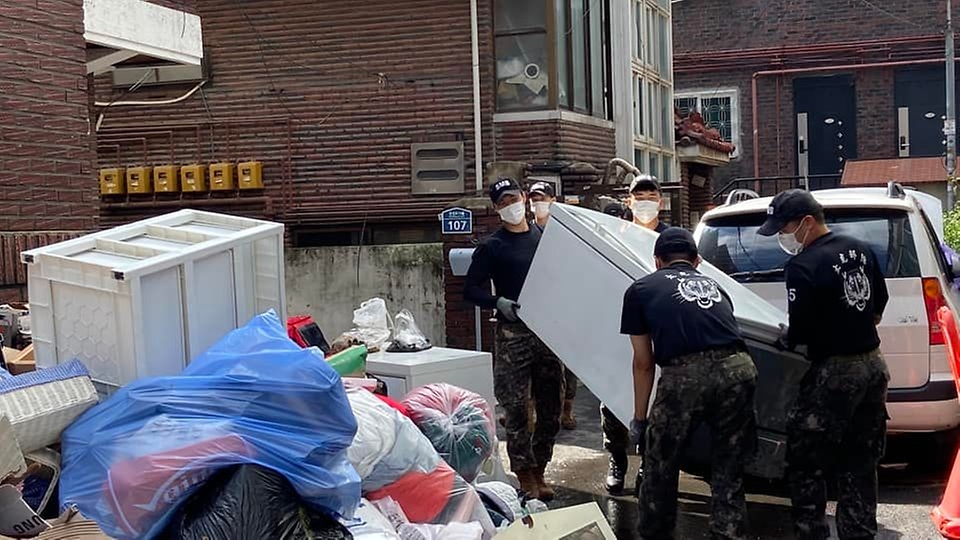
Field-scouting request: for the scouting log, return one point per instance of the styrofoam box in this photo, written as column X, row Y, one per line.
column 141, row 300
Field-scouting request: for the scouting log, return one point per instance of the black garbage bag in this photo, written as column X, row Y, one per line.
column 250, row 502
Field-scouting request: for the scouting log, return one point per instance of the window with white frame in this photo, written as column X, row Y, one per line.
column 652, row 89
column 720, row 109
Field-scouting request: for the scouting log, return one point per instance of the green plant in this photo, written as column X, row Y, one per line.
column 951, row 228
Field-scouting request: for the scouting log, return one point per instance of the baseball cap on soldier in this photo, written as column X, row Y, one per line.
column 645, row 182
column 787, row 206
column 543, row 188
column 675, row 241
column 503, row 186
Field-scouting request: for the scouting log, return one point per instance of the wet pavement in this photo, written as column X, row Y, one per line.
column 579, row 468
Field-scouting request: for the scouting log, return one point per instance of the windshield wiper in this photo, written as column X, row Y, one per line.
column 756, row 275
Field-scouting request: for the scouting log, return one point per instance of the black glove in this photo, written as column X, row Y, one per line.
column 783, row 343
column 638, row 434
column 508, row 308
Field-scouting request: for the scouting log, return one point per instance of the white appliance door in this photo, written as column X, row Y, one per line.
column 573, row 297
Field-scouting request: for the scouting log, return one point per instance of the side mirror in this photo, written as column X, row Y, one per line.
column 955, row 266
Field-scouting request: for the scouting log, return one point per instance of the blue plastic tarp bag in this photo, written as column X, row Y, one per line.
column 254, row 397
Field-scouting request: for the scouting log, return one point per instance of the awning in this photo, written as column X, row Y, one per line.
column 131, row 28
column 907, row 171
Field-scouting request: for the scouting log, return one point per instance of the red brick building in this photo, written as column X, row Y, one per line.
column 803, row 87
column 49, row 158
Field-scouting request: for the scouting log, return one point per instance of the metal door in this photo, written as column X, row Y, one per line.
column 826, row 127
column 921, row 105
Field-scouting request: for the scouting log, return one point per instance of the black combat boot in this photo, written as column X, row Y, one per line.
column 617, row 473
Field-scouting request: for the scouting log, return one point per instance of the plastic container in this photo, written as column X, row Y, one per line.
column 143, row 299
column 352, row 361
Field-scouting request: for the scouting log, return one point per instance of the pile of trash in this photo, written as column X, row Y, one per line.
column 271, row 433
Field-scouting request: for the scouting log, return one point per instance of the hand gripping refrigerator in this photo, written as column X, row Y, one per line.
column 572, row 299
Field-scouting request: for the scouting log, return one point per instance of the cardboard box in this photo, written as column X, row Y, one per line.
column 20, row 362
column 584, row 522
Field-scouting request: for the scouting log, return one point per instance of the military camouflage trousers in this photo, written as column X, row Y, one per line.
column 525, row 366
column 717, row 392
column 616, row 436
column 837, row 430
column 570, row 385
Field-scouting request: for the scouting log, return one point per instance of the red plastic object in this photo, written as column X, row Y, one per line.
column 421, row 495
column 293, row 325
column 946, row 516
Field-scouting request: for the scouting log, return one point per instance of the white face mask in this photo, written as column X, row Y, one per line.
column 514, row 213
column 789, row 242
column 645, row 211
column 541, row 209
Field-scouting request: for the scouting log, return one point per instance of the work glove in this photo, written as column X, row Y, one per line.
column 783, row 343
column 638, row 434
column 508, row 308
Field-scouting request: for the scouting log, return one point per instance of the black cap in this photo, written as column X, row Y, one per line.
column 645, row 182
column 501, row 187
column 543, row 188
column 675, row 241
column 787, row 206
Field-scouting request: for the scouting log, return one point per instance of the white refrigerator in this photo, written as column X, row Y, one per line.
column 573, row 296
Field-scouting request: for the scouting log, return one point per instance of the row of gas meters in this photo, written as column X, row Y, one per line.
column 185, row 179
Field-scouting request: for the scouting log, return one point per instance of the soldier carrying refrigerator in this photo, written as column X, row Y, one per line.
column 504, row 258
column 683, row 321
column 644, row 210
column 836, row 294
column 542, row 195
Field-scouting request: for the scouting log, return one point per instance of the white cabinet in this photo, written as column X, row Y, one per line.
column 141, row 300
column 404, row 372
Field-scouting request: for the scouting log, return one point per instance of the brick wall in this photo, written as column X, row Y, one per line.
column 460, row 314
column 46, row 173
column 328, row 95
column 708, row 26
column 777, row 34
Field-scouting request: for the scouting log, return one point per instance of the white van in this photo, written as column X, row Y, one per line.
column 904, row 228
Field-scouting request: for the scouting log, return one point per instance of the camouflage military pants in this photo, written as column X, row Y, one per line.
column 837, row 427
column 526, row 366
column 616, row 436
column 569, row 385
column 716, row 390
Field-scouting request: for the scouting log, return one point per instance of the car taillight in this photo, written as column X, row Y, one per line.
column 934, row 300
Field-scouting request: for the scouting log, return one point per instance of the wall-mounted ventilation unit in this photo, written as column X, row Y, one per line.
column 437, row 168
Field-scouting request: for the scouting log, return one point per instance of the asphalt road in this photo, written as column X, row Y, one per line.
column 908, row 492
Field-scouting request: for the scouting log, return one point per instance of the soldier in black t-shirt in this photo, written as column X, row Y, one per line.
column 683, row 321
column 836, row 294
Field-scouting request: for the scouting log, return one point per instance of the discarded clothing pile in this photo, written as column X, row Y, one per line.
column 395, row 460
column 458, row 424
column 254, row 398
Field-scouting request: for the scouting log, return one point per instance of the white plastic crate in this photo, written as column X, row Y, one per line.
column 141, row 300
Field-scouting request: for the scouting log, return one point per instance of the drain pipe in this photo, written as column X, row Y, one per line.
column 790, row 71
column 477, row 128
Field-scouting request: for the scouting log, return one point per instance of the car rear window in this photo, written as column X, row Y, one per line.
column 732, row 244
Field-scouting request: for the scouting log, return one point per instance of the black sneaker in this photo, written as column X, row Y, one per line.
column 616, row 474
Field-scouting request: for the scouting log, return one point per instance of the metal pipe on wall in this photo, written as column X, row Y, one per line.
column 822, row 69
column 477, row 125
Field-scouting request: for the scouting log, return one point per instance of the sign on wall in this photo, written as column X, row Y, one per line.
column 456, row 221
